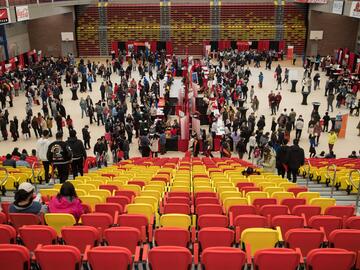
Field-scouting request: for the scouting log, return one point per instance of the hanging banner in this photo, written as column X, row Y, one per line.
column 4, row 15
column 311, row 1
column 355, row 9
column 22, row 13
column 338, row 7
column 290, row 53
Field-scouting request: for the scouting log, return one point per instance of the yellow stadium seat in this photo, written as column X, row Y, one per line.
column 229, row 194
column 91, row 200
column 287, row 185
column 57, row 221
column 158, row 183
column 117, row 183
column 238, row 180
column 152, row 193
column 148, row 200
column 202, row 184
column 122, row 178
column 271, row 190
column 260, row 238
column 77, row 182
column 180, row 183
column 154, row 187
column 223, row 184
column 252, row 195
column 96, row 183
column 83, row 179
column 234, row 201
column 180, row 189
column 323, row 203
column 103, row 193
column 81, row 192
column 308, row 195
column 280, row 195
column 86, row 187
column 57, row 186
column 49, row 192
column 222, row 189
column 135, row 188
column 203, row 189
column 175, row 220
column 264, row 185
column 141, row 209
column 11, row 182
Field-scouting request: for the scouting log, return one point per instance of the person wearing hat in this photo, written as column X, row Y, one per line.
column 79, row 153
column 60, row 155
column 25, row 202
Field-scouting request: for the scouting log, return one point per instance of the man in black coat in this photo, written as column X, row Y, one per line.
column 79, row 154
column 295, row 160
column 281, row 158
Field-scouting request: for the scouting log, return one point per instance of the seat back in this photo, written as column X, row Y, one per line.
column 211, row 220
column 176, row 208
column 121, row 200
column 139, row 222
column 287, row 222
column 343, row 211
column 142, row 209
column 3, row 218
column 20, row 219
column 308, row 195
column 215, row 237
column 175, row 221
column 353, row 223
column 109, row 208
column 323, row 203
column 100, row 221
column 80, row 236
column 206, row 200
column 331, row 259
column 14, row 257
column 292, row 202
column 348, row 239
column 252, row 195
column 297, row 190
column 57, row 221
column 271, row 259
column 58, row 257
column 237, row 210
column 127, row 237
column 203, row 209
column 229, row 258
column 273, row 210
column 307, row 210
column 172, row 237
column 259, row 202
column 184, row 200
column 127, row 193
column 110, row 258
column 329, row 223
column 304, row 239
column 259, row 238
column 34, row 235
column 7, row 234
column 161, row 257
column 244, row 222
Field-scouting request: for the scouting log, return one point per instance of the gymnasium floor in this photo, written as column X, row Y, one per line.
column 342, row 148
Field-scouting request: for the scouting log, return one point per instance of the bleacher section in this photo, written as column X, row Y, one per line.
column 171, row 213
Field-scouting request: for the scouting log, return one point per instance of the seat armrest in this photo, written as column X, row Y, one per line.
column 248, row 254
column 196, row 254
column 87, row 249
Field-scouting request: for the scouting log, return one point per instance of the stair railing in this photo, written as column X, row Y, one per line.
column 358, row 188
column 333, row 180
column 3, row 182
column 308, row 173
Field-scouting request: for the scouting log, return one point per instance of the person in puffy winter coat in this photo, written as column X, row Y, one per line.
column 66, row 201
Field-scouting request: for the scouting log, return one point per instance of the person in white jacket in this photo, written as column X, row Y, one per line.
column 154, row 145
column 42, row 146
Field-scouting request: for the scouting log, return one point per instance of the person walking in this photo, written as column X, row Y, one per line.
column 332, row 138
column 42, row 146
column 282, row 156
column 79, row 154
column 296, row 159
column 299, row 125
column 330, row 100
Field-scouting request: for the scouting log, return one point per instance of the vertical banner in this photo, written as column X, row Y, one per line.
column 342, row 132
column 290, row 53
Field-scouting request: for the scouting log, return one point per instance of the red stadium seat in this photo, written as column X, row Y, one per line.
column 80, row 236
column 330, row 259
column 139, row 222
column 14, row 257
column 5, row 209
column 20, row 219
column 127, row 237
column 237, row 210
column 297, row 190
column 34, row 235
column 348, row 239
column 58, row 257
column 3, row 218
column 329, row 223
column 287, row 222
column 353, row 223
column 172, row 237
column 100, row 221
column 342, row 211
column 206, row 200
column 304, row 239
column 185, row 200
column 121, row 200
column 177, row 208
column 137, row 182
column 7, row 234
column 202, row 194
column 127, row 193
column 161, row 257
column 276, row 258
column 178, row 194
column 113, row 209
column 243, row 222
column 259, row 202
column 273, row 210
column 215, row 237
column 110, row 188
column 212, row 220
column 292, row 202
column 109, row 257
column 249, row 189
column 204, row 209
column 307, row 210
column 240, row 185
column 229, row 258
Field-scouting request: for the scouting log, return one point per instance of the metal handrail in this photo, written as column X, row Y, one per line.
column 6, row 177
column 33, row 175
column 351, row 181
column 308, row 173
column 333, row 180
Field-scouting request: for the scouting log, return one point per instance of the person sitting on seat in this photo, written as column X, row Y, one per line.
column 22, row 162
column 26, row 202
column 9, row 161
column 66, row 201
column 330, row 155
column 353, row 155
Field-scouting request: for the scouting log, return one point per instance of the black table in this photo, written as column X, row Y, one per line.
column 305, row 95
column 293, row 86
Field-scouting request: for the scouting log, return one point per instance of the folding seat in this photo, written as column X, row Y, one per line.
column 182, row 188
column 211, row 220
column 142, row 209
column 147, row 200
column 109, row 257
column 307, row 210
column 81, row 236
column 184, row 200
column 343, row 211
column 127, row 193
column 232, row 201
column 58, row 257
column 230, row 194
column 287, row 185
column 203, row 209
column 175, row 220
column 5, row 209
column 112, row 209
column 153, row 193
column 237, row 210
column 229, row 258
column 244, row 222
column 201, row 194
column 96, row 182
column 154, row 187
column 81, row 192
column 329, row 223
column 323, row 203
column 34, row 235
column 272, row 190
column 172, row 237
column 159, row 258
column 203, row 189
column 252, row 195
column 292, row 202
column 308, row 195
column 176, row 208
column 265, row 184
column 86, row 187
column 353, row 223
column 103, row 193
column 271, row 211
column 260, row 238
column 121, row 200
column 57, row 221
column 304, row 239
column 273, row 258
column 91, row 200
column 330, row 259
column 197, row 183
column 348, row 239
column 7, row 234
column 100, row 221
column 259, row 202
column 139, row 222
column 109, row 187
column 20, row 219
column 297, row 190
column 14, row 257
column 287, row 222
column 135, row 188
column 240, row 185
column 139, row 183
column 206, row 200
column 224, row 188
column 127, row 237
column 215, row 237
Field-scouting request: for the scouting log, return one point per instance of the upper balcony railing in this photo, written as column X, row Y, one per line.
column 5, row 3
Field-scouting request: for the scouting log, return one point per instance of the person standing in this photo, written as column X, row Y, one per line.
column 282, row 156
column 330, row 100
column 299, row 125
column 326, row 119
column 332, row 138
column 86, row 136
column 42, row 147
column 154, row 145
column 79, row 154
column 102, row 91
column 261, row 79
column 296, row 159
column 60, row 155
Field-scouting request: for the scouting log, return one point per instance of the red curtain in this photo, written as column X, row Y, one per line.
column 114, row 47
column 224, row 44
column 169, row 48
column 153, row 46
column 242, row 45
column 263, row 45
column 282, row 45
